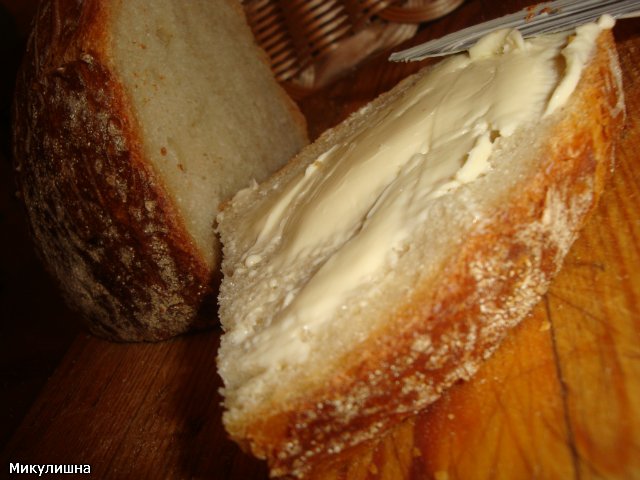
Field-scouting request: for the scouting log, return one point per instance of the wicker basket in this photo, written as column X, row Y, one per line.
column 312, row 42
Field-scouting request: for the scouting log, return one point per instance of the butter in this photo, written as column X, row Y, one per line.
column 354, row 209
column 576, row 54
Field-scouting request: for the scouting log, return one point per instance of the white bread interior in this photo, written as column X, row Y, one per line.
column 478, row 263
column 210, row 114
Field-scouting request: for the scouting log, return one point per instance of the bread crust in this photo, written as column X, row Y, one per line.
column 445, row 331
column 102, row 220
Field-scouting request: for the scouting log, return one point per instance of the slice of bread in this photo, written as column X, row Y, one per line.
column 390, row 257
column 133, row 121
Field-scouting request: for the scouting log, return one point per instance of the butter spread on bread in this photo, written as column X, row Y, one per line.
column 368, row 194
column 390, row 257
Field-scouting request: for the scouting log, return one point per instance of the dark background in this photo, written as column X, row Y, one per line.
column 35, row 326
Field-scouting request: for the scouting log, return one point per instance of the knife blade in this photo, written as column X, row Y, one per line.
column 539, row 19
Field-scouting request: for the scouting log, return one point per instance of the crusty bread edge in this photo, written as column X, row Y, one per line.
column 492, row 284
column 128, row 288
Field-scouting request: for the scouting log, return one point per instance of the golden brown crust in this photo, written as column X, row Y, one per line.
column 442, row 335
column 101, row 218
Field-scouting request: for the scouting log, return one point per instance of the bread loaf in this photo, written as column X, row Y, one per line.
column 133, row 121
column 390, row 257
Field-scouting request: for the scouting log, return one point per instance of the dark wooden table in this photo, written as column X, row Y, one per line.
column 560, row 399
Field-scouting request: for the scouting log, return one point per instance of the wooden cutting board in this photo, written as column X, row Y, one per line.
column 560, row 398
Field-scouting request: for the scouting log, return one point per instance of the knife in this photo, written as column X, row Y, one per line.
column 539, row 19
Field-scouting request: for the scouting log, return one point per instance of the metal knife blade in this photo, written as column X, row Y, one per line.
column 542, row 18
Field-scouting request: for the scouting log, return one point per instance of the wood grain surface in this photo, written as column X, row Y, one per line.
column 560, row 399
